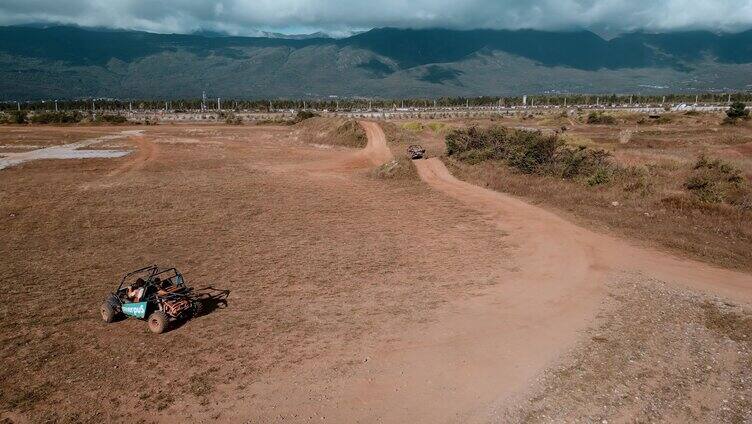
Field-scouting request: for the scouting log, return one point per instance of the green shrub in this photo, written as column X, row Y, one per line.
column 111, row 119
column 600, row 118
column 580, row 160
column 302, row 115
column 600, row 176
column 531, row 152
column 56, row 118
column 737, row 110
column 16, row 117
column 716, row 181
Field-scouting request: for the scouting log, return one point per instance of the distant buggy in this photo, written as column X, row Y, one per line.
column 157, row 295
column 416, row 152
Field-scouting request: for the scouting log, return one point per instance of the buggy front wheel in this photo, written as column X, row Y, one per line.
column 157, row 322
column 108, row 312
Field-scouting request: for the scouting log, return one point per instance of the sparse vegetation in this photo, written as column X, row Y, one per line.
column 600, row 118
column 531, row 152
column 717, row 181
column 302, row 115
column 16, row 117
column 56, row 118
column 232, row 119
column 737, row 110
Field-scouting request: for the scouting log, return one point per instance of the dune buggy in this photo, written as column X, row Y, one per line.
column 416, row 151
column 157, row 295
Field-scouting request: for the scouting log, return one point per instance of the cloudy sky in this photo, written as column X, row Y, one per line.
column 340, row 16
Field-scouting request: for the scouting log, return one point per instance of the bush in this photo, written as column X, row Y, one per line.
column 111, row 119
column 600, row 118
column 580, row 160
column 16, row 117
column 56, row 118
column 232, row 119
column 737, row 110
column 716, row 181
column 529, row 152
column 302, row 115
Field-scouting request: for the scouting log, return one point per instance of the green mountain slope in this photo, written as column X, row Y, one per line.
column 68, row 62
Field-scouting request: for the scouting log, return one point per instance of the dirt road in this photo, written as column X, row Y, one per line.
column 530, row 224
column 480, row 353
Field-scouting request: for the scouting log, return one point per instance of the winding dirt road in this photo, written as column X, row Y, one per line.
column 532, row 226
column 486, row 351
column 479, row 354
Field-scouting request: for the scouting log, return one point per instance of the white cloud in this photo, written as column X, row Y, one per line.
column 244, row 16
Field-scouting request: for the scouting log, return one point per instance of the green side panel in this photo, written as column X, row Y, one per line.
column 137, row 310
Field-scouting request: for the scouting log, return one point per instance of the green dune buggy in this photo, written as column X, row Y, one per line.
column 157, row 295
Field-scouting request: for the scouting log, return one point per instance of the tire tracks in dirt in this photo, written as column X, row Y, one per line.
column 146, row 151
column 476, row 352
column 479, row 354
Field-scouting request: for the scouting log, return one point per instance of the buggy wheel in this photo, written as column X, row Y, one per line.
column 198, row 308
column 157, row 322
column 108, row 312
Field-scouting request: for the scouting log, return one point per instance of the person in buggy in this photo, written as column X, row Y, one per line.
column 158, row 295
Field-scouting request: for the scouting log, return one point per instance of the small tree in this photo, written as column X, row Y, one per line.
column 737, row 110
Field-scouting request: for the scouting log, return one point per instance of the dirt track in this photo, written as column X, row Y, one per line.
column 593, row 252
column 483, row 352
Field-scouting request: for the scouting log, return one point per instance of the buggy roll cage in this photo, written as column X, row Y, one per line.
column 153, row 271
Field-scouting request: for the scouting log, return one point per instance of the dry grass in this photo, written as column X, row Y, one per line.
column 646, row 197
column 655, row 355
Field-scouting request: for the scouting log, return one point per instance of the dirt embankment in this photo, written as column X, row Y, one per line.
column 332, row 131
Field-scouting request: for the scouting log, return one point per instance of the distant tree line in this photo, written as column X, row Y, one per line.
column 348, row 104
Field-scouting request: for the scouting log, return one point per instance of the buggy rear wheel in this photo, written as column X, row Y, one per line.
column 198, row 308
column 108, row 312
column 157, row 322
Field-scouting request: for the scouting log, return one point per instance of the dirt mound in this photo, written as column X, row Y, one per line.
column 333, row 131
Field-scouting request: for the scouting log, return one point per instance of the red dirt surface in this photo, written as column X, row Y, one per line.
column 352, row 298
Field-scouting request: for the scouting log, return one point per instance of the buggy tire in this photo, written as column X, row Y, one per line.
column 157, row 322
column 108, row 312
column 198, row 308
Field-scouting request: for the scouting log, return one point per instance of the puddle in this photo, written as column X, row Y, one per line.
column 69, row 151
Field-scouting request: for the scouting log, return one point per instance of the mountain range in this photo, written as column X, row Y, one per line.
column 73, row 62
